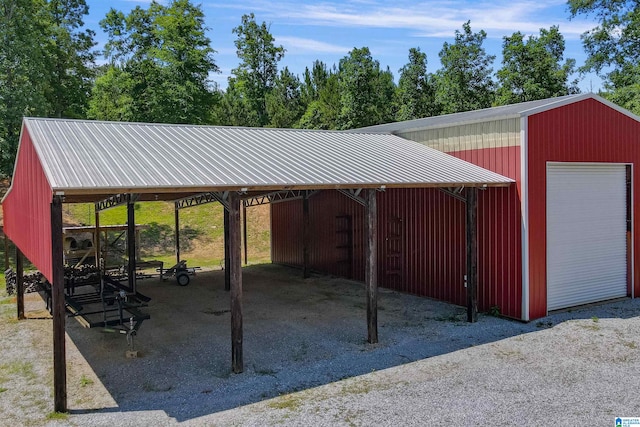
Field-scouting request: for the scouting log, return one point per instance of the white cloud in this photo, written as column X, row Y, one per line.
column 433, row 19
column 302, row 45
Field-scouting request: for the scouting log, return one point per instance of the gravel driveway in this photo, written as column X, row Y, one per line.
column 307, row 362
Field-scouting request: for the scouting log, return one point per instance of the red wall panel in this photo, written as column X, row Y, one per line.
column 27, row 208
column 431, row 226
column 286, row 232
column 326, row 234
column 499, row 232
column 586, row 131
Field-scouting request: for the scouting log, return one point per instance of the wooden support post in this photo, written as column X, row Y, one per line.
column 6, row 252
column 131, row 244
column 235, row 268
column 305, row 236
column 177, row 233
column 19, row 284
column 371, row 265
column 227, row 269
column 97, row 244
column 472, row 254
column 244, row 234
column 58, row 309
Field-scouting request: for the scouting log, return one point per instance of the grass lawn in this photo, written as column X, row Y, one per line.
column 202, row 230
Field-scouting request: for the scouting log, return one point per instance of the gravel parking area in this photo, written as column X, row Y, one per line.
column 307, row 362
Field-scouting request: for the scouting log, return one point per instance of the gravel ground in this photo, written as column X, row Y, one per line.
column 307, row 362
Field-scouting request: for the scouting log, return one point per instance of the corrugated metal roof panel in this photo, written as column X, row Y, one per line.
column 92, row 155
column 505, row 111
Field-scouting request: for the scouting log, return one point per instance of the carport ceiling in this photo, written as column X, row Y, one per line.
column 90, row 160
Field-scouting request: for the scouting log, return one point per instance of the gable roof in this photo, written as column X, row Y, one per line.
column 80, row 156
column 519, row 110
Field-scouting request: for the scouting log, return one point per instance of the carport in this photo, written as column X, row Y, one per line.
column 112, row 163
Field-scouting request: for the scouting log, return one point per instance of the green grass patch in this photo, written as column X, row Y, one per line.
column 57, row 416
column 3, row 389
column 288, row 401
column 85, row 381
column 7, row 300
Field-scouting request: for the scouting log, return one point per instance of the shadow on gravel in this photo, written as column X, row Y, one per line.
column 298, row 334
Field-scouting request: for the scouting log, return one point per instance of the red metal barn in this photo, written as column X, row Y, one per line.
column 563, row 236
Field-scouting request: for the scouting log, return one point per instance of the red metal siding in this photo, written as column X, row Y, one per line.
column 27, row 208
column 432, row 244
column 499, row 232
column 325, row 236
column 502, row 160
column 286, row 232
column 587, row 131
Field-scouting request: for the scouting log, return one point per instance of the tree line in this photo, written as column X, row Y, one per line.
column 159, row 62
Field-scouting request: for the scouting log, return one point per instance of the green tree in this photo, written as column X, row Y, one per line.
column 613, row 47
column 533, row 69
column 71, row 58
column 324, row 107
column 416, row 91
column 315, row 79
column 366, row 92
column 256, row 74
column 112, row 95
column 162, row 59
column 464, row 82
column 24, row 73
column 284, row 101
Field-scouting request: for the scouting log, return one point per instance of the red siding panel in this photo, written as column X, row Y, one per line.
column 432, row 249
column 286, row 232
column 587, row 131
column 327, row 234
column 421, row 243
column 499, row 232
column 27, row 208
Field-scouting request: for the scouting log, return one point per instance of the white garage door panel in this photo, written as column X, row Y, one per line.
column 586, row 234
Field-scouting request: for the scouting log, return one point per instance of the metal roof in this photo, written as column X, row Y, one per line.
column 82, row 157
column 494, row 113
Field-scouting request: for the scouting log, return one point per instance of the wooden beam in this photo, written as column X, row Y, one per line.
column 227, row 261
column 177, row 232
column 472, row 254
column 58, row 309
column 6, row 252
column 244, row 234
column 131, row 245
column 371, row 266
column 306, row 237
column 97, row 244
column 235, row 268
column 19, row 284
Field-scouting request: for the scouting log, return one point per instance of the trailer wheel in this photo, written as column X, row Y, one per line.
column 183, row 279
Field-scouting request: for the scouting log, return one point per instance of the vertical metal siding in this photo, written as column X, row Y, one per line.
column 434, row 260
column 499, row 233
column 286, row 233
column 494, row 145
column 434, row 243
column 586, row 131
column 27, row 208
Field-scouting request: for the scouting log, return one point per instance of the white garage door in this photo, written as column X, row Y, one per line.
column 586, row 233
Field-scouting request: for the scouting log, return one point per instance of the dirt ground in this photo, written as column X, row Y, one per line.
column 307, row 361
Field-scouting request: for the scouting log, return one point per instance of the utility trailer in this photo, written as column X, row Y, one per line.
column 180, row 271
column 107, row 304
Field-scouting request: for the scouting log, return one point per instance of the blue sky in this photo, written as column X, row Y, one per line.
column 328, row 30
